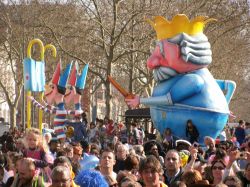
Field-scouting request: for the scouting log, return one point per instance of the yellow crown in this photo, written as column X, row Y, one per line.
column 179, row 24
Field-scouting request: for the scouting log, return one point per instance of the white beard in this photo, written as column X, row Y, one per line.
column 163, row 73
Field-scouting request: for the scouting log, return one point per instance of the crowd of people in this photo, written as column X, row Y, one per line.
column 105, row 154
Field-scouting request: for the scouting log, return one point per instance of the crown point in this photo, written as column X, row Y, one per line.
column 179, row 24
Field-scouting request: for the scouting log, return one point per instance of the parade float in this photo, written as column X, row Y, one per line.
column 185, row 89
column 65, row 86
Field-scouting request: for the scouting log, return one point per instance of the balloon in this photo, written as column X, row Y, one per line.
column 89, row 161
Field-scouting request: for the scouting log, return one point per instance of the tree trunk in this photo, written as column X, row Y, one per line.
column 13, row 110
column 108, row 98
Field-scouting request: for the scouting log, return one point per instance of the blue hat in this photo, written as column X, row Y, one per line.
column 61, row 86
column 81, row 80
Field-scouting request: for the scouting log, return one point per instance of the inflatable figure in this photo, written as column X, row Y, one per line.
column 77, row 84
column 185, row 88
column 55, row 93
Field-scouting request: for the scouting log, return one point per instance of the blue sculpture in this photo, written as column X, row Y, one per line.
column 185, row 89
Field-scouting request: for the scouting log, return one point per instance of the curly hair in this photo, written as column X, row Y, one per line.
column 90, row 178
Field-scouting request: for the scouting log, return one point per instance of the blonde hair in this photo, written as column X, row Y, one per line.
column 42, row 144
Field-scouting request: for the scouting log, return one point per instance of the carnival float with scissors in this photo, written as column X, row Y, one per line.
column 185, row 89
column 65, row 87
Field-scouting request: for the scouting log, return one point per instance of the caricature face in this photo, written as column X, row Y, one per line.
column 50, row 92
column 167, row 59
column 70, row 93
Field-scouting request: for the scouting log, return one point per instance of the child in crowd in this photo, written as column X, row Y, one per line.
column 92, row 132
column 35, row 147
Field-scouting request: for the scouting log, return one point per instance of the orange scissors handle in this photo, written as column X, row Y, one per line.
column 126, row 94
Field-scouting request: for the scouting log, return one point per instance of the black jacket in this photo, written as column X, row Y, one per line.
column 174, row 179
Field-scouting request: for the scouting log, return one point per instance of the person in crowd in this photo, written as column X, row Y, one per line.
column 61, row 177
column 19, row 145
column 90, row 178
column 195, row 161
column 80, row 128
column 153, row 150
column 139, row 150
column 223, row 145
column 102, row 131
column 4, row 159
column 95, row 150
column 218, row 167
column 247, row 144
column 93, row 131
column 178, row 184
column 232, row 166
column 173, row 171
column 64, row 161
column 9, row 143
column 85, row 146
column 107, row 162
column 77, row 157
column 125, row 179
column 191, row 177
column 61, row 152
column 47, row 137
column 232, row 181
column 210, row 143
column 110, row 129
column 240, row 132
column 136, row 136
column 220, row 154
column 26, row 175
column 121, row 155
column 54, row 146
column 222, row 135
column 247, row 129
column 36, row 148
column 182, row 145
column 69, row 150
column 228, row 132
column 151, row 171
column 10, row 170
column 129, row 183
column 96, row 142
column 123, row 133
column 132, row 165
column 77, row 153
column 245, row 175
column 111, row 181
column 192, row 132
column 169, row 141
column 207, row 175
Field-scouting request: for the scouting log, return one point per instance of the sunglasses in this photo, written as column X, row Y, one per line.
column 219, row 168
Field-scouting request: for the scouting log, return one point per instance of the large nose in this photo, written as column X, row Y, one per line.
column 153, row 62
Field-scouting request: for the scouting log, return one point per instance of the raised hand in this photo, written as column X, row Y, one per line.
column 133, row 103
